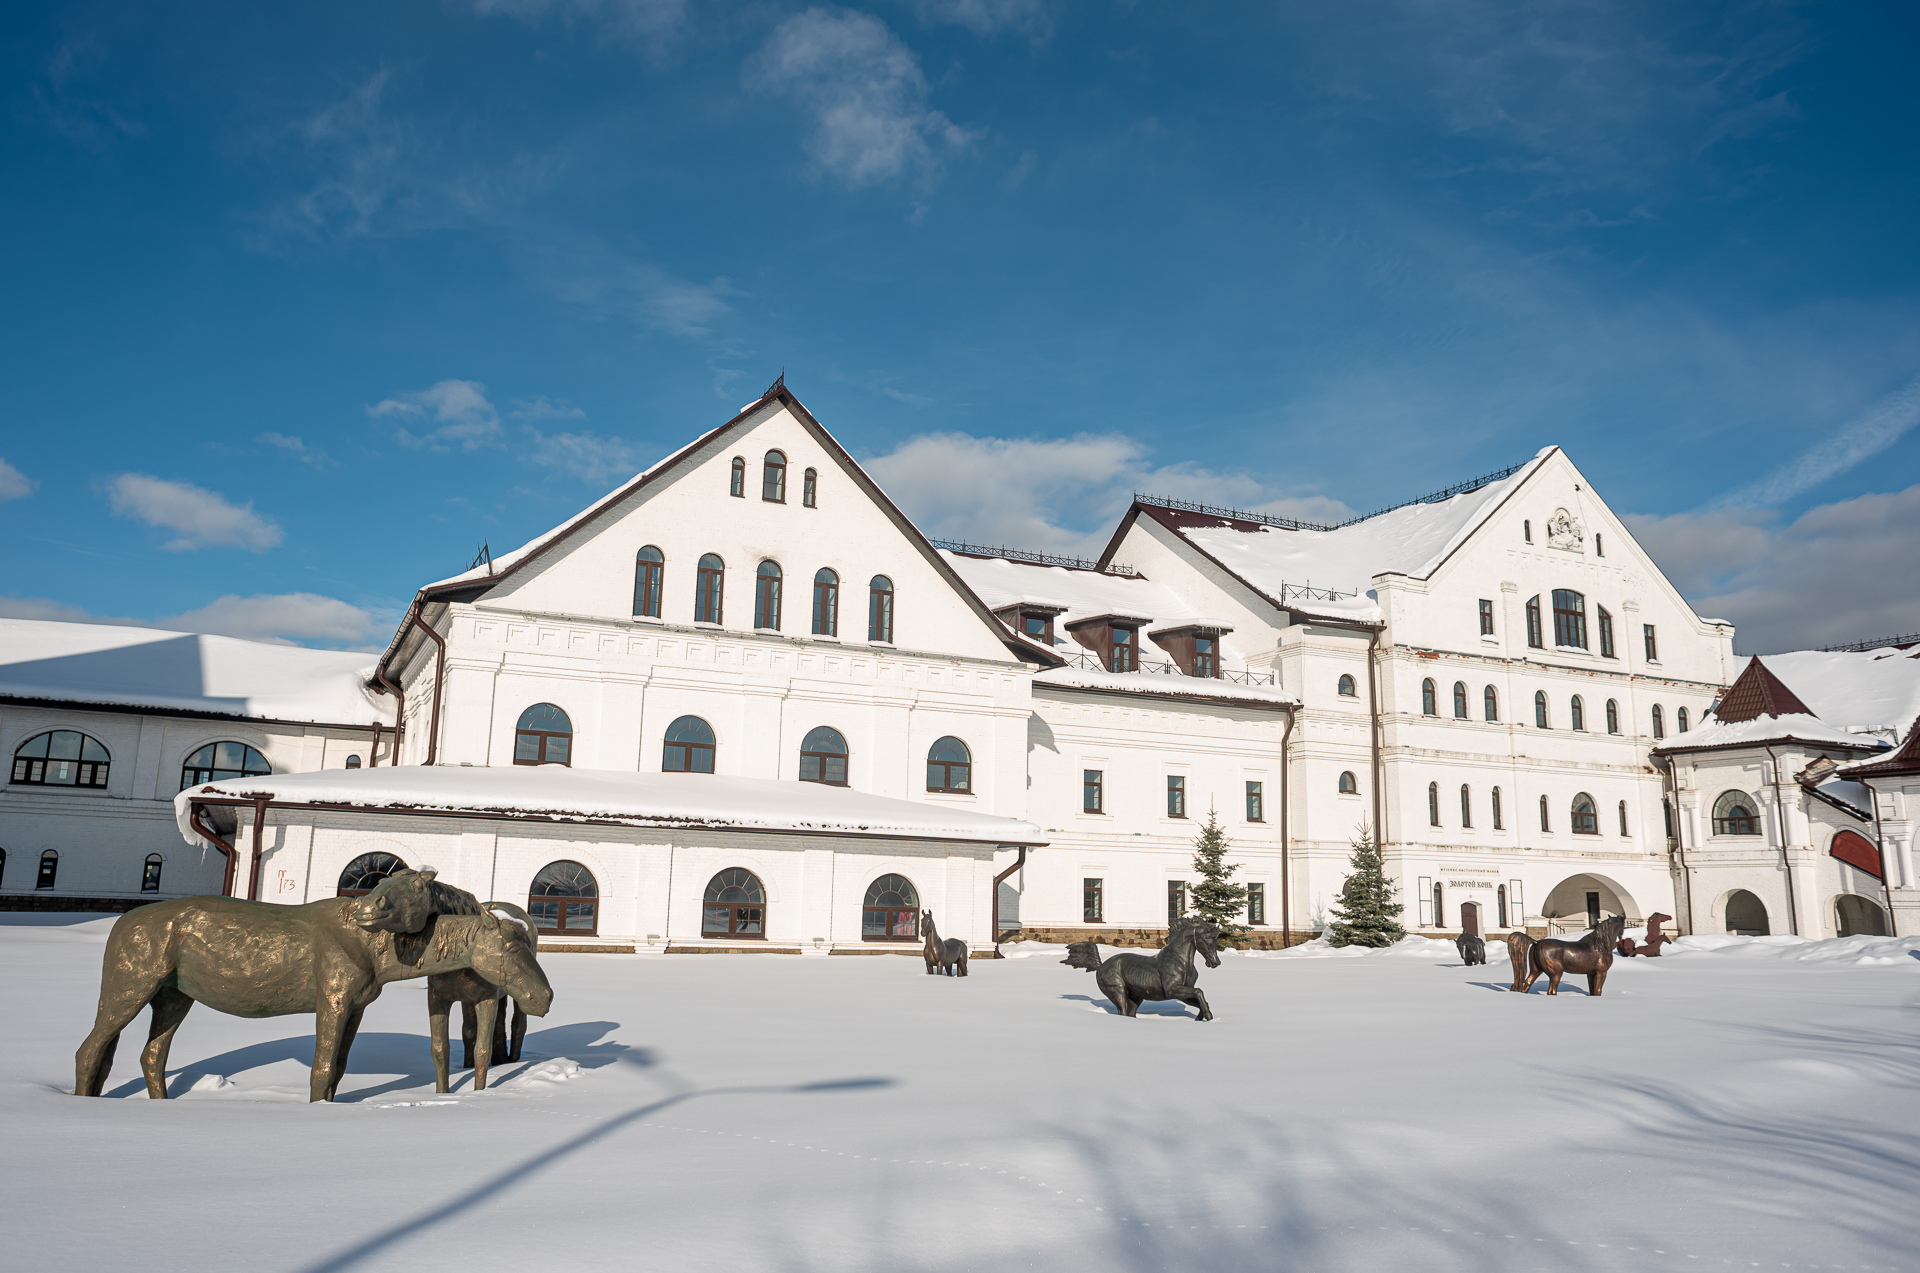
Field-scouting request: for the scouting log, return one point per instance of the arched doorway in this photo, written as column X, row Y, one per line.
column 735, row 906
column 1581, row 901
column 366, row 871
column 891, row 911
column 1858, row 917
column 1747, row 915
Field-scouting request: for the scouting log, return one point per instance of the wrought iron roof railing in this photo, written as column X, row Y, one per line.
column 1035, row 558
column 1295, row 523
column 1088, row 661
column 1882, row 643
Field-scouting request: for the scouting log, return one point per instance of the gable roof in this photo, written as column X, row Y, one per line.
column 1840, row 698
column 1758, row 692
column 474, row 583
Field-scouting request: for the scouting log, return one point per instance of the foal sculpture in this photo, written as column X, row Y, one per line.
column 1130, row 980
column 485, row 1033
column 256, row 959
column 1592, row 954
column 1472, row 948
column 949, row 956
column 1518, row 943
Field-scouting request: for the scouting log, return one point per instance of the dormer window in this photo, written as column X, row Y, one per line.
column 1206, row 659
column 1194, row 647
column 1124, row 650
column 1115, row 638
column 1031, row 620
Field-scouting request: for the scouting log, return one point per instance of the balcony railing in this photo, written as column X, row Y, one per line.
column 1088, row 661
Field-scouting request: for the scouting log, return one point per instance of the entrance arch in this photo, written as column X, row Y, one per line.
column 1586, row 899
column 1747, row 915
column 1856, row 916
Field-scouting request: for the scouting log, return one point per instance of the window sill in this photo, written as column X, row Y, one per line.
column 707, row 626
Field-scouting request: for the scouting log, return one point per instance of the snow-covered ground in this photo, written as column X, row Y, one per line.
column 1747, row 1104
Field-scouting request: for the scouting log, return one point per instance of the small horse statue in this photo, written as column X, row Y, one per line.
column 1592, row 954
column 1655, row 938
column 484, row 1031
column 1472, row 948
column 1130, row 980
column 1518, row 943
column 949, row 956
column 258, row 959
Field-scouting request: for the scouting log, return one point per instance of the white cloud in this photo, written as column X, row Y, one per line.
column 1837, row 573
column 1873, row 431
column 865, row 91
column 13, row 483
column 1057, row 495
column 299, row 450
column 202, row 518
column 605, row 284
column 458, row 409
column 989, row 17
column 290, row 618
column 589, row 457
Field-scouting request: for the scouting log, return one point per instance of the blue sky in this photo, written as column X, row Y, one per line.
column 305, row 302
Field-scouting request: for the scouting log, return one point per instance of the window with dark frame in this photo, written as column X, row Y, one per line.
column 709, row 589
column 950, row 767
column 773, row 478
column 1545, row 822
column 1433, row 804
column 1466, row 805
column 1038, row 627
column 1490, row 701
column 1124, row 656
column 1176, row 796
column 823, row 757
column 61, row 758
column 1586, row 818
column 1500, row 905
column 1439, row 905
column 1092, row 791
column 1256, row 902
column 687, row 747
column 353, row 762
column 810, row 488
column 1459, row 700
column 49, row 870
column 1540, row 710
column 217, row 762
column 1349, row 785
column 1429, row 705
column 1579, row 714
column 1526, row 530
column 826, row 603
column 1606, row 633
column 1623, row 818
column 891, row 911
column 1599, row 545
column 1680, row 719
column 1499, row 824
column 880, row 609
column 1486, row 618
column 767, row 581
column 543, row 736
column 649, row 572
column 1613, row 716
column 1093, row 902
column 150, row 874
column 1176, row 899
column 364, row 873
column 1659, row 722
column 1733, row 814
column 737, row 482
column 1206, row 660
column 1653, row 646
column 1256, row 802
column 1535, row 637
column 734, row 906
column 1346, row 687
column 1569, row 619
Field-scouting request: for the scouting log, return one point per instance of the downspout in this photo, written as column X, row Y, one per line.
column 227, row 850
column 994, row 908
column 1780, row 820
column 399, row 716
column 1286, row 873
column 1373, row 709
column 259, row 827
column 1880, row 847
column 1680, row 842
column 373, row 753
column 439, row 673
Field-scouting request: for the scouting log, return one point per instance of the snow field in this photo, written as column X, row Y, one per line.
column 1748, row 1103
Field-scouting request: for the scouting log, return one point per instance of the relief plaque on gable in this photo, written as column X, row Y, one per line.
column 1564, row 531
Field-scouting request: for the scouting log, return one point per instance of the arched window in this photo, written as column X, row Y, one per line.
column 709, row 589
column 1586, row 818
column 736, row 906
column 218, row 761
column 61, row 758
column 366, row 871
column 1613, row 716
column 1346, row 687
column 766, row 596
column 1579, row 714
column 810, row 489
column 949, row 766
column 1500, row 903
column 1535, row 639
column 543, row 736
column 1428, row 705
column 1545, row 824
column 1599, row 545
column 353, row 761
column 1439, row 904
column 1733, row 814
column 1490, row 700
column 49, row 869
column 1569, row 618
column 737, row 482
column 649, row 569
column 1526, row 530
column 1680, row 719
column 773, row 478
column 1499, row 823
column 880, row 609
column 891, row 911
column 1623, row 818
column 689, row 747
column 823, row 757
column 1466, row 805
column 150, row 874
column 1659, row 723
column 1433, row 804
column 564, row 900
column 826, row 603
column 1349, row 786
column 1459, row 700
column 1540, row 709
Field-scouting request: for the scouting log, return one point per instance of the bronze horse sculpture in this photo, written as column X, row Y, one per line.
column 1472, row 948
column 1592, row 955
column 256, row 959
column 1518, row 943
column 485, row 1033
column 1130, row 980
column 1656, row 938
column 949, row 956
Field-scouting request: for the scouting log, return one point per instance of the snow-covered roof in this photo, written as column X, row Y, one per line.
column 184, row 671
column 1859, row 700
column 1170, row 685
column 618, row 796
column 1000, row 582
column 1764, row 729
column 1852, row 795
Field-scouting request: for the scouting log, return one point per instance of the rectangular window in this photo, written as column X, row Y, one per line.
column 1653, row 647
column 1486, row 618
column 646, row 589
column 1606, row 633
column 1038, row 627
column 1176, row 796
column 1176, row 899
column 1569, row 619
column 1205, row 661
column 1092, row 784
column 1534, row 635
column 880, row 612
column 1425, row 898
column 707, row 594
column 1093, row 901
column 1123, row 659
column 1256, row 903
column 1256, row 810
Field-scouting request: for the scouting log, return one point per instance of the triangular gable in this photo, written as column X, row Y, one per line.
column 477, row 582
column 1758, row 692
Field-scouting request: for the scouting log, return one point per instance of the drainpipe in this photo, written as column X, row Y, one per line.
column 1286, row 873
column 1780, row 820
column 994, row 908
column 1880, row 847
column 439, row 674
column 259, row 827
column 195, row 820
column 1680, row 841
column 1373, row 709
column 399, row 716
column 373, row 753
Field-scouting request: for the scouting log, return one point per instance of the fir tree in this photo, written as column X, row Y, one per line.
column 1216, row 898
column 1366, row 914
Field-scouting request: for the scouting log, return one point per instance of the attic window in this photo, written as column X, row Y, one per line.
column 737, row 483
column 773, row 478
column 1599, row 547
column 1195, row 647
column 810, row 488
column 1526, row 529
column 1124, row 655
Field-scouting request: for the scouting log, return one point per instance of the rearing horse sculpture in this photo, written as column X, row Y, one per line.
column 1592, row 954
column 1130, row 980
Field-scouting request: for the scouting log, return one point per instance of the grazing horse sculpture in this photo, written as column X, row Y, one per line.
column 1472, row 948
column 1130, row 980
column 949, row 956
column 1518, row 943
column 1592, row 954
column 485, row 1035
column 257, row 959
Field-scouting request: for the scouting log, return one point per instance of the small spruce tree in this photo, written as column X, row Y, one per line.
column 1366, row 914
column 1216, row 898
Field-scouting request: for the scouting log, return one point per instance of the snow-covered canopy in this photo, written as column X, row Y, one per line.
column 184, row 671
column 615, row 796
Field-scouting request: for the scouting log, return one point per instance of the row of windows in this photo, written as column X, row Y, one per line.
column 68, row 758
column 1570, row 625
column 49, row 871
column 1093, row 893
column 1490, row 707
column 1093, row 795
column 769, row 585
column 773, row 480
column 1585, row 814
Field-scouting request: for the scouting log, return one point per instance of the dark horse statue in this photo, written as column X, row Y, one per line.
column 1518, row 944
column 256, row 959
column 1131, row 980
column 1472, row 948
column 1592, row 954
column 1655, row 938
column 949, row 956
